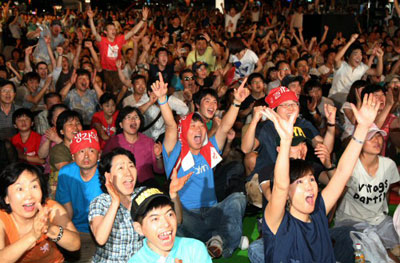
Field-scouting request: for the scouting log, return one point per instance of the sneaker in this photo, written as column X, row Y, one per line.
column 214, row 246
column 244, row 243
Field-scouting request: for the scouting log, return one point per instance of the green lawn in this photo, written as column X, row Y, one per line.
column 249, row 230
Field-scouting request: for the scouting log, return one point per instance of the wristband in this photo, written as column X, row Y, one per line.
column 59, row 236
column 330, row 124
column 162, row 103
column 144, row 20
column 313, row 112
column 333, row 167
column 357, row 140
column 236, row 105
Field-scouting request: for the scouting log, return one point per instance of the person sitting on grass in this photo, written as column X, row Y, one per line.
column 154, row 217
column 295, row 226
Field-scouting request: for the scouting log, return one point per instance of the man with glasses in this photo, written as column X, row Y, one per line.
column 7, row 108
column 263, row 136
column 189, row 88
column 283, row 71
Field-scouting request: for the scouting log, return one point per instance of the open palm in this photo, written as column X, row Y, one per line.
column 367, row 113
column 283, row 127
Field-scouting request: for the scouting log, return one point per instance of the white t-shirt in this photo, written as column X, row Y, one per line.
column 344, row 77
column 245, row 66
column 365, row 199
column 348, row 126
column 229, row 19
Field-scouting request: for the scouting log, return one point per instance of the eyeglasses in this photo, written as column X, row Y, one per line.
column 289, row 105
column 188, row 78
column 5, row 91
column 130, row 117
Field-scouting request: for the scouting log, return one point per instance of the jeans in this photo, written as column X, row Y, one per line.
column 256, row 251
column 223, row 219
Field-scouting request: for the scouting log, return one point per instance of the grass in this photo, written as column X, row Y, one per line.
column 249, row 230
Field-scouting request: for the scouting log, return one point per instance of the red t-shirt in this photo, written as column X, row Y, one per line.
column 30, row 147
column 110, row 130
column 110, row 52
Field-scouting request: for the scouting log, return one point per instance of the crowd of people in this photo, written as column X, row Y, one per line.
column 147, row 135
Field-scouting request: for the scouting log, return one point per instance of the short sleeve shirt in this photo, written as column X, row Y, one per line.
column 298, row 241
column 30, row 147
column 188, row 250
column 110, row 52
column 123, row 241
column 85, row 105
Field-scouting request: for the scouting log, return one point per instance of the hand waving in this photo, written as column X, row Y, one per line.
column 366, row 115
column 177, row 183
column 283, row 127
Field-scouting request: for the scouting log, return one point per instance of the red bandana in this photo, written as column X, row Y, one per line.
column 207, row 150
column 83, row 140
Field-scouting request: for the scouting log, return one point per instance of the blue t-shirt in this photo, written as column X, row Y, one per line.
column 188, row 250
column 199, row 191
column 300, row 242
column 71, row 188
column 266, row 134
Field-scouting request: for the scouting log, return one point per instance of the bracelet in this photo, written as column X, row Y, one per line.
column 144, row 20
column 357, row 140
column 59, row 236
column 162, row 103
column 236, row 105
column 330, row 124
column 313, row 112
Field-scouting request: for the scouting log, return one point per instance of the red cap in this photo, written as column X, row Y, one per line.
column 279, row 95
column 83, row 140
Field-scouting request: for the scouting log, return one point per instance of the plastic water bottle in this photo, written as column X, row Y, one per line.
column 358, row 254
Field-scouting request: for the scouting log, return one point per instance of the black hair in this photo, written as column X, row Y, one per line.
column 197, row 117
column 31, row 76
column 312, row 83
column 4, row 68
column 235, row 45
column 161, row 49
column 204, row 92
column 371, row 89
column 303, row 58
column 11, row 174
column 123, row 113
column 255, row 75
column 199, row 37
column 81, row 72
column 154, row 204
column 299, row 168
column 277, row 53
column 329, row 51
column 352, row 97
column 40, row 63
column 51, row 95
column 186, row 70
column 21, row 112
column 7, row 82
column 65, row 117
column 278, row 64
column 52, row 110
column 270, row 69
column 137, row 77
column 106, row 163
column 354, row 46
column 106, row 97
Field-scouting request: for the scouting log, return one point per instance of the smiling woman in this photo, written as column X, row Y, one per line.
column 30, row 224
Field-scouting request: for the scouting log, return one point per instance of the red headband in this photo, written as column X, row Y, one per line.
column 83, row 140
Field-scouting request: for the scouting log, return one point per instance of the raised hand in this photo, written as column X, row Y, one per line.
column 241, row 93
column 353, row 37
column 231, row 135
column 160, row 88
column 258, row 112
column 312, row 105
column 111, row 189
column 330, row 113
column 73, row 77
column 322, row 152
column 366, row 115
column 282, row 126
column 118, row 63
column 88, row 44
column 90, row 13
column 177, row 183
column 145, row 13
